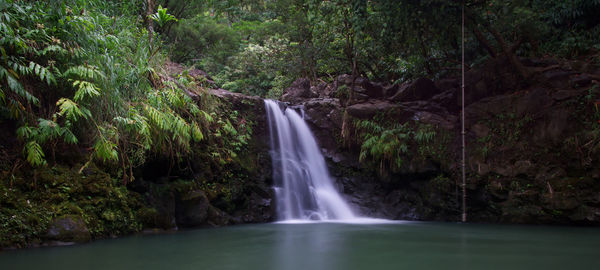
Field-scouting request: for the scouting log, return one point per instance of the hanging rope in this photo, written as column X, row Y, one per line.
column 464, row 174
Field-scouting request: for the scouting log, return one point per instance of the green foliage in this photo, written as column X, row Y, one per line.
column 279, row 41
column 162, row 17
column 390, row 145
column 203, row 41
column 100, row 81
column 27, row 208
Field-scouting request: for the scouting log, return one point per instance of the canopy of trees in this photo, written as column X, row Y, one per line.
column 260, row 46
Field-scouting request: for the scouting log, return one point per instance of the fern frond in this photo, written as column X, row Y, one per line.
column 84, row 72
column 17, row 88
column 27, row 132
column 157, row 118
column 42, row 73
column 106, row 150
column 197, row 132
column 69, row 137
column 207, row 116
column 52, row 49
column 85, row 89
column 48, row 130
column 70, row 109
column 34, row 154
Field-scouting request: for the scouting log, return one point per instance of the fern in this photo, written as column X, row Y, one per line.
column 26, row 132
column 52, row 49
column 106, row 150
column 157, row 118
column 197, row 132
column 42, row 73
column 71, row 110
column 84, row 72
column 34, row 154
column 85, row 89
column 69, row 137
column 48, row 130
column 17, row 87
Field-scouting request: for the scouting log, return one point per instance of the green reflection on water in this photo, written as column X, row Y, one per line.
column 413, row 245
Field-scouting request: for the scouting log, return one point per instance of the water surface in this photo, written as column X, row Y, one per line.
column 409, row 245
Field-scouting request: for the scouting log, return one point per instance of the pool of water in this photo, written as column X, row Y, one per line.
column 406, row 245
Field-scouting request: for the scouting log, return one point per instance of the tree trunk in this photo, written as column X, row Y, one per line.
column 509, row 51
column 149, row 22
column 484, row 42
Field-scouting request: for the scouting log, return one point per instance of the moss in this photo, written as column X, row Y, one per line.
column 148, row 217
column 38, row 196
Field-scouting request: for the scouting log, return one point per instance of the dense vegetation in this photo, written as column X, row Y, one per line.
column 259, row 47
column 85, row 87
column 84, row 82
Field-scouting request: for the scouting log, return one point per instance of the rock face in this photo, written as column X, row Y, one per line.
column 68, row 229
column 206, row 191
column 419, row 89
column 299, row 89
column 192, row 209
column 529, row 154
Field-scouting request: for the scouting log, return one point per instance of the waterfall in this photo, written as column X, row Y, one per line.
column 303, row 188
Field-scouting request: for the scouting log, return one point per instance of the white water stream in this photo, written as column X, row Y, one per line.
column 304, row 190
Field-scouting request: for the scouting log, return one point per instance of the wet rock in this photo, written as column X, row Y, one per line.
column 551, row 127
column 487, row 108
column 217, row 218
column 557, row 78
column 448, row 84
column 372, row 89
column 480, row 130
column 370, row 109
column 562, row 95
column 68, row 229
column 585, row 215
column 446, row 121
column 300, row 89
column 564, row 201
column 192, row 209
column 391, row 90
column 533, row 102
column 447, row 100
column 581, row 80
column 419, row 89
column 523, row 167
column 322, row 89
column 539, row 62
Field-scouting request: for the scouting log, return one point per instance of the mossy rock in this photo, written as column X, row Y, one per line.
column 192, row 209
column 68, row 229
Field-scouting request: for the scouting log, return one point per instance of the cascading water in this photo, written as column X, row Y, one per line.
column 303, row 187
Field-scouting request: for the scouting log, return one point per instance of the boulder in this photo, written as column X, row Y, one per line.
column 534, row 102
column 217, row 218
column 69, row 229
column 371, row 89
column 324, row 113
column 192, row 209
column 419, row 89
column 362, row 86
column 552, row 127
column 448, row 84
column 581, row 80
column 322, row 89
column 539, row 62
column 370, row 109
column 300, row 89
column 557, row 78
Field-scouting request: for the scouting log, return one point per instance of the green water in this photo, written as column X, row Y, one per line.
column 413, row 245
